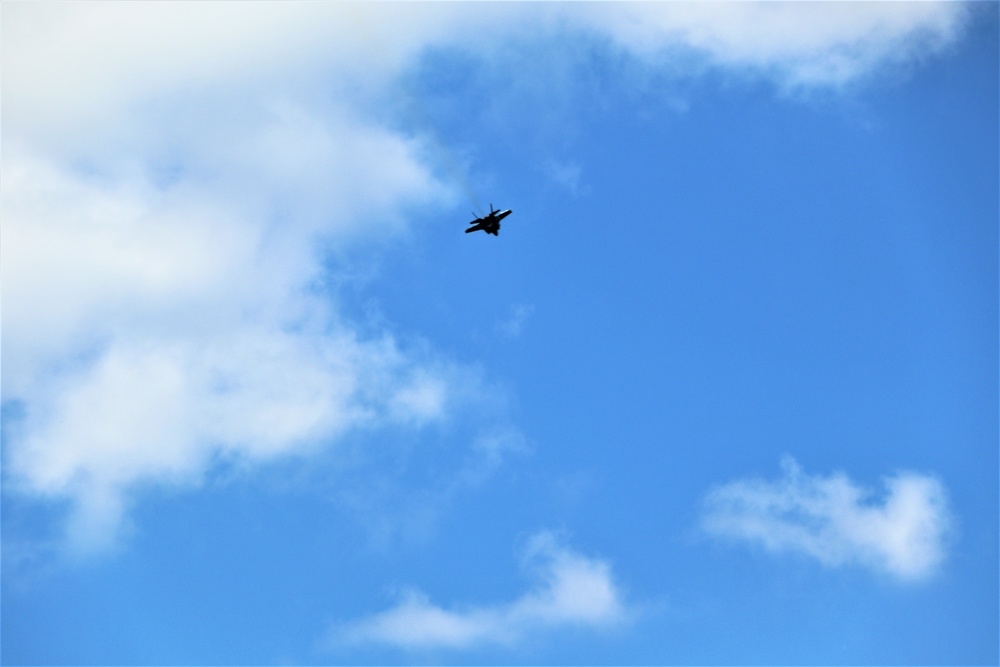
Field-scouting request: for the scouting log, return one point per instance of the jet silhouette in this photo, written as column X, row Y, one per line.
column 488, row 223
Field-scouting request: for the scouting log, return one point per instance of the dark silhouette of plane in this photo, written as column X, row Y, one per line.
column 488, row 223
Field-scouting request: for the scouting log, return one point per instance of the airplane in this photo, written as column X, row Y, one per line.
column 488, row 223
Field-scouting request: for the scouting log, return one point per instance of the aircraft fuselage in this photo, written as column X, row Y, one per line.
column 489, row 223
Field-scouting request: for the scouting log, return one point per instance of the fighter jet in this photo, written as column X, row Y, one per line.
column 488, row 223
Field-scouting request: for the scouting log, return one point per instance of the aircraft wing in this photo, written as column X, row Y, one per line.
column 473, row 228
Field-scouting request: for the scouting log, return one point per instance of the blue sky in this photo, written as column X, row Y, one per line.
column 723, row 390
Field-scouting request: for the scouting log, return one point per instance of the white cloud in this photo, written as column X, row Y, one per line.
column 836, row 521
column 74, row 66
column 150, row 330
column 82, row 65
column 164, row 410
column 575, row 591
column 799, row 44
column 157, row 264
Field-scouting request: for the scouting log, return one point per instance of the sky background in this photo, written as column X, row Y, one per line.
column 723, row 391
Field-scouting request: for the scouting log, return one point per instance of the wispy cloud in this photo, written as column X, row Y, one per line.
column 574, row 591
column 565, row 174
column 405, row 501
column 836, row 521
column 517, row 320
